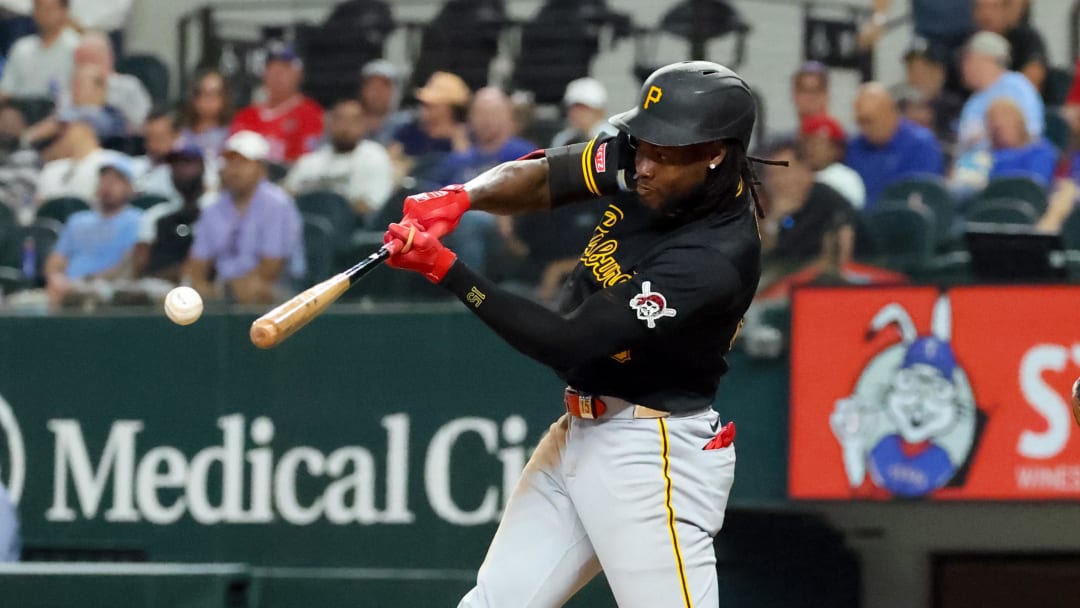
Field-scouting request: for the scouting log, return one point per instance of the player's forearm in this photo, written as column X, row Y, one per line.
column 512, row 187
column 537, row 332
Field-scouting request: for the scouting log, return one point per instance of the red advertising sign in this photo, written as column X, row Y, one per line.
column 917, row 393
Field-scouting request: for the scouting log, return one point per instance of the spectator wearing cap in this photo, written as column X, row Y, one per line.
column 585, row 101
column 73, row 158
column 985, row 67
column 290, row 122
column 165, row 231
column 810, row 90
column 380, row 94
column 889, row 147
column 250, row 238
column 123, row 92
column 39, row 64
column 444, row 105
column 1027, row 49
column 346, row 164
column 823, row 145
column 923, row 97
column 96, row 244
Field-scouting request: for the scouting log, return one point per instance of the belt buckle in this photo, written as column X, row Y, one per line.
column 585, row 406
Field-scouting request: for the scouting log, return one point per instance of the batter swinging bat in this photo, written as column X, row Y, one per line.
column 272, row 328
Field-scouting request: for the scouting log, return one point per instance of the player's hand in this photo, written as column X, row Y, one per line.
column 420, row 252
column 437, row 212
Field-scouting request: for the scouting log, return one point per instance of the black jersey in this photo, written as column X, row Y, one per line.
column 651, row 308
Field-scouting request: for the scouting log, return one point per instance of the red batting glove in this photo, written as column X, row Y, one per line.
column 420, row 252
column 438, row 212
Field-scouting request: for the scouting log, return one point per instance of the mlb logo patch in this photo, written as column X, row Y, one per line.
column 600, row 158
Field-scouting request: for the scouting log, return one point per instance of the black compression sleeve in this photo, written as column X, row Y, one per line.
column 559, row 342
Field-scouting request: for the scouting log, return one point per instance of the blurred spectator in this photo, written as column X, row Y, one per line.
column 153, row 173
column 165, row 231
column 19, row 166
column 491, row 123
column 984, row 67
column 96, row 245
column 1060, row 206
column 890, row 147
column 108, row 16
column 923, row 97
column 823, row 145
column 124, row 92
column 444, row 105
column 810, row 90
column 84, row 100
column 356, row 169
column 74, row 160
column 380, row 94
column 10, row 541
column 205, row 116
column 1027, row 48
column 800, row 213
column 1014, row 151
column 40, row 64
column 251, row 235
column 946, row 25
column 291, row 123
column 585, row 100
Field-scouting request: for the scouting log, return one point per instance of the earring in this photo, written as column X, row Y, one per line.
column 712, row 165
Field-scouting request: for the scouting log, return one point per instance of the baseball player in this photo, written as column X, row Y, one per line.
column 634, row 479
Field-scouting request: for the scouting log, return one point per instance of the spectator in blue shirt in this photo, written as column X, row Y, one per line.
column 889, row 147
column 985, row 72
column 96, row 244
column 491, row 126
column 1015, row 152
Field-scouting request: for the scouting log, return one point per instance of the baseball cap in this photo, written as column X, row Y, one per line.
column 277, row 50
column 989, row 44
column 184, row 150
column 119, row 164
column 248, row 144
column 813, row 67
column 444, row 88
column 823, row 124
column 380, row 67
column 920, row 47
column 587, row 92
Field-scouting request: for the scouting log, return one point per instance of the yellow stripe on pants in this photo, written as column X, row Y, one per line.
column 687, row 602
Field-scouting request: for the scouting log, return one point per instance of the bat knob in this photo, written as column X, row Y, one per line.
column 264, row 333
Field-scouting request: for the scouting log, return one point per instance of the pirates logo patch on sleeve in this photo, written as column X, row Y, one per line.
column 650, row 305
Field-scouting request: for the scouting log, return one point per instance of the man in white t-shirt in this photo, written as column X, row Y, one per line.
column 124, row 92
column 823, row 144
column 40, row 64
column 357, row 169
column 74, row 163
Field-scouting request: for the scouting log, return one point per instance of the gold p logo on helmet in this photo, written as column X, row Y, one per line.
column 653, row 96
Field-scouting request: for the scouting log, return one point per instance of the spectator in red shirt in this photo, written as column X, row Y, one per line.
column 291, row 122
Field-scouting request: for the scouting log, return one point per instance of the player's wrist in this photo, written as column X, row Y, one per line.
column 444, row 260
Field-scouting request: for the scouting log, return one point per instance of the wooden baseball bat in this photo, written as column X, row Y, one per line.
column 275, row 326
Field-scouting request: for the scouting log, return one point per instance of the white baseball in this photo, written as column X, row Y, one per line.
column 183, row 305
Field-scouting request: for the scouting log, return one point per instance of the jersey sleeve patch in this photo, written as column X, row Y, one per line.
column 650, row 305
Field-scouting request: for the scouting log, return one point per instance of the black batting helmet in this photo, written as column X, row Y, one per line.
column 691, row 102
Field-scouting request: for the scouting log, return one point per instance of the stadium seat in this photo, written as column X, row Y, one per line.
column 354, row 33
column 43, row 232
column 1057, row 129
column 1016, row 187
column 146, row 201
column 1056, row 86
column 462, row 38
column 151, row 71
column 34, row 109
column 929, row 190
column 11, row 279
column 1071, row 231
column 903, row 235
column 1002, row 211
column 61, row 208
column 335, row 209
column 318, row 248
